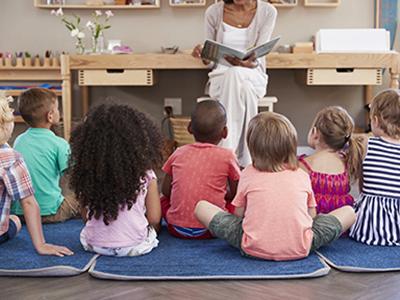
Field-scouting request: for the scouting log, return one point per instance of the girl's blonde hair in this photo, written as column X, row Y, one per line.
column 272, row 141
column 336, row 129
column 6, row 116
column 386, row 107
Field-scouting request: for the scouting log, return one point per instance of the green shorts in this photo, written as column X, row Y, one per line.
column 326, row 229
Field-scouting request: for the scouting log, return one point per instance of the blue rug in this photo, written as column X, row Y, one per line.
column 349, row 256
column 19, row 258
column 176, row 259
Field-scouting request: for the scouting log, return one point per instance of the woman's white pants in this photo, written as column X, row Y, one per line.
column 238, row 89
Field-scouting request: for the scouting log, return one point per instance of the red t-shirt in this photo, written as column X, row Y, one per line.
column 199, row 171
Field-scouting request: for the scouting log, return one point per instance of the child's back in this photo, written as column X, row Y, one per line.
column 198, row 171
column 336, row 160
column 46, row 156
column 378, row 206
column 113, row 153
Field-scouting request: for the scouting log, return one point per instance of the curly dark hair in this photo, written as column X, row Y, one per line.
column 110, row 154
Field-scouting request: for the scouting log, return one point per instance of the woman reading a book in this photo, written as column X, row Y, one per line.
column 238, row 84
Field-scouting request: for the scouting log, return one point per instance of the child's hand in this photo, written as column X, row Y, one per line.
column 49, row 249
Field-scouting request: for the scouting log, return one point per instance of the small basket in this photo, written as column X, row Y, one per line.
column 180, row 131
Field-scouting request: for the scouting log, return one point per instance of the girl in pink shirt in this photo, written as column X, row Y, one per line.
column 275, row 216
column 113, row 153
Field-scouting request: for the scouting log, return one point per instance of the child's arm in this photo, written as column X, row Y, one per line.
column 166, row 186
column 312, row 212
column 239, row 211
column 34, row 224
column 153, row 206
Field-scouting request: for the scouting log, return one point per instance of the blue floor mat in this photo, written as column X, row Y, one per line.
column 19, row 258
column 350, row 256
column 177, row 259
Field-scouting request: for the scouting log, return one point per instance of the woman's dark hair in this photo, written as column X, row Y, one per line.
column 228, row 1
column 110, row 154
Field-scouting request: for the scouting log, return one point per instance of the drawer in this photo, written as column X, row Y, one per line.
column 116, row 77
column 344, row 76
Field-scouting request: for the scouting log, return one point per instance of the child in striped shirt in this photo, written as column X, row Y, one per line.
column 378, row 207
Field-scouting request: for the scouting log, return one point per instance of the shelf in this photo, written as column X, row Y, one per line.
column 189, row 3
column 40, row 4
column 16, row 93
column 280, row 3
column 322, row 3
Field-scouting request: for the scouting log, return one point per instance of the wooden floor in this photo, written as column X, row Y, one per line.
column 336, row 285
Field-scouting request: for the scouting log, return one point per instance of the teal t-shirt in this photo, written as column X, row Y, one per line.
column 46, row 156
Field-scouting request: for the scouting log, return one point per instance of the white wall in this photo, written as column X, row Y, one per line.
column 25, row 28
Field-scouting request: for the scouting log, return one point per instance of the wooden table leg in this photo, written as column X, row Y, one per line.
column 85, row 99
column 66, row 95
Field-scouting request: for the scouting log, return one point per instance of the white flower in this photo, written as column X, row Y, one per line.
column 59, row 12
column 109, row 14
column 74, row 32
column 90, row 25
column 53, row 12
column 81, row 35
column 98, row 13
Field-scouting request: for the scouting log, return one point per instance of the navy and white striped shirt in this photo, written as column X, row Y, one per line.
column 378, row 208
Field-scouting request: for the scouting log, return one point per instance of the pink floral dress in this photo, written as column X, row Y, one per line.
column 331, row 190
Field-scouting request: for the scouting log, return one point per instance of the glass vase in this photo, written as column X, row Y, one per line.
column 98, row 44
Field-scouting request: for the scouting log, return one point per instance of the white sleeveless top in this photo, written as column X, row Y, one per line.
column 235, row 38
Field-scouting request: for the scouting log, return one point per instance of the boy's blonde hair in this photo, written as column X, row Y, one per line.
column 6, row 116
column 272, row 141
column 336, row 127
column 386, row 107
column 34, row 104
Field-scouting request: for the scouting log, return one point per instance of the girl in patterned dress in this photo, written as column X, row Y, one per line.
column 378, row 206
column 336, row 161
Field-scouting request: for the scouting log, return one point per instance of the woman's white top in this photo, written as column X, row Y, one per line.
column 234, row 37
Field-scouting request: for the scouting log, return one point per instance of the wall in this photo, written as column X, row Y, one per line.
column 25, row 28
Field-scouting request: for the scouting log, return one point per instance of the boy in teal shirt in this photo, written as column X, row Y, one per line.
column 45, row 154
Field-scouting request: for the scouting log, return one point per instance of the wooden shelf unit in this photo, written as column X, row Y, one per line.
column 16, row 93
column 322, row 3
column 40, row 4
column 183, row 4
column 279, row 5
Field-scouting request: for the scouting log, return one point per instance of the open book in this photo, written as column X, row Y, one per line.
column 215, row 51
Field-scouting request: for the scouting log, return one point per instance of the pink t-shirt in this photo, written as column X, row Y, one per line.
column 199, row 171
column 128, row 230
column 276, row 223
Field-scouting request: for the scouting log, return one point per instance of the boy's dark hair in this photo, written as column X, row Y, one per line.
column 34, row 104
column 208, row 119
column 110, row 154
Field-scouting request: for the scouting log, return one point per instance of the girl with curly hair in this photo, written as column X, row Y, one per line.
column 113, row 153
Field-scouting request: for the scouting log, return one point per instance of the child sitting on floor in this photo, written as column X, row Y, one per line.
column 275, row 203
column 378, row 206
column 336, row 161
column 16, row 186
column 199, row 171
column 45, row 154
column 113, row 155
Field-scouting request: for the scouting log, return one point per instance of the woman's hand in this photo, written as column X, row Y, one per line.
column 251, row 62
column 197, row 53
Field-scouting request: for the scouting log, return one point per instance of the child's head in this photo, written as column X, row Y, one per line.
column 39, row 107
column 110, row 154
column 208, row 122
column 333, row 129
column 6, row 119
column 272, row 141
column 385, row 114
